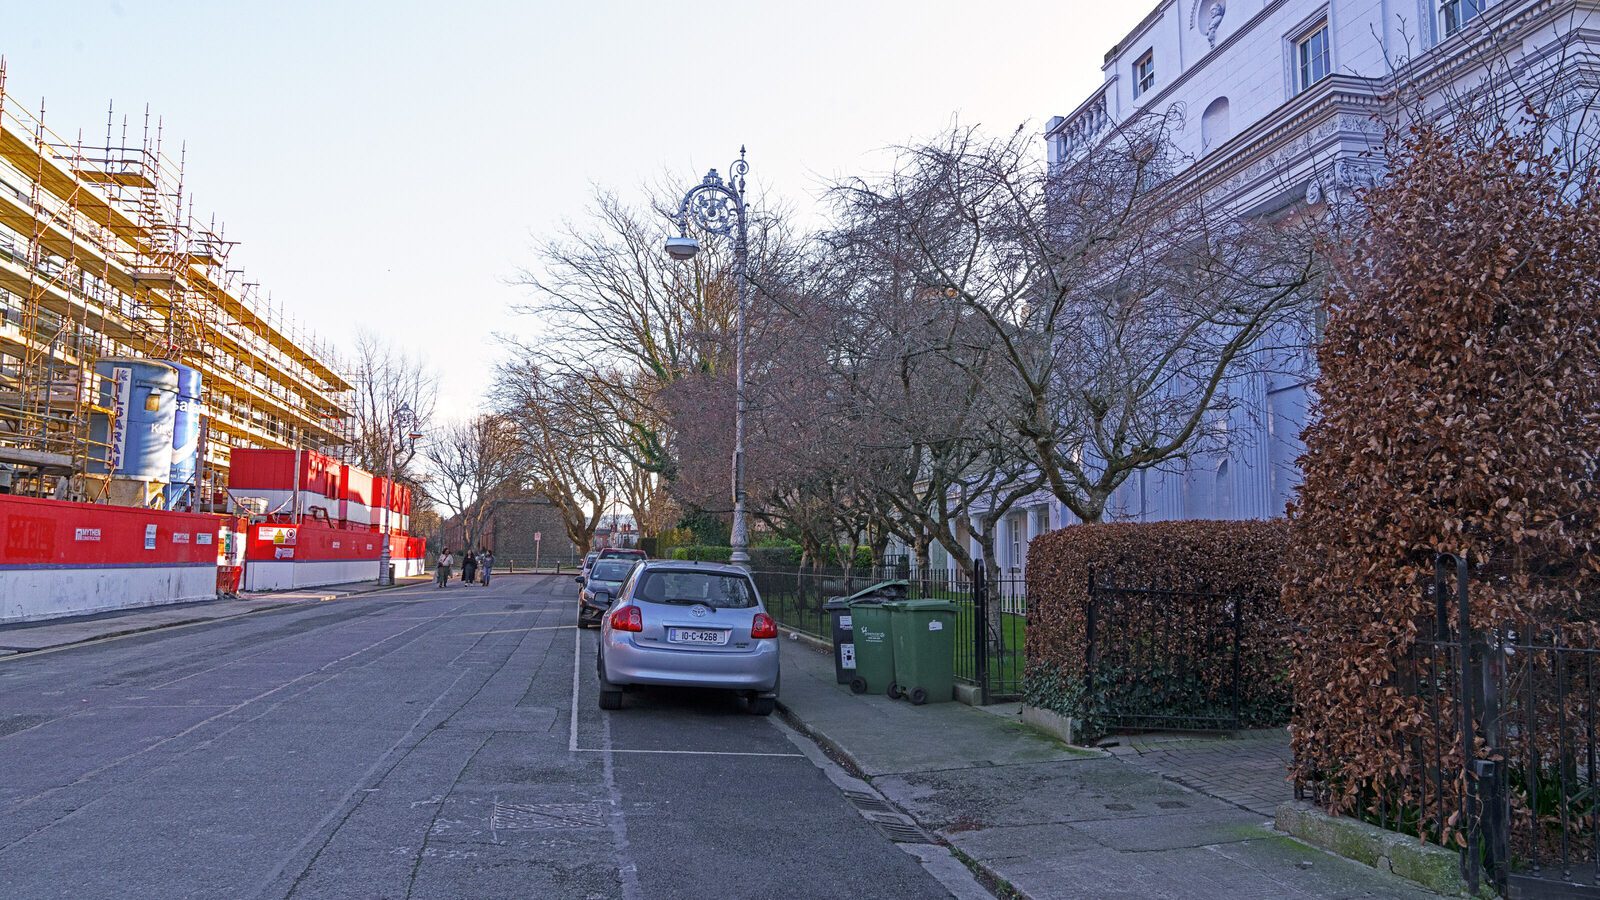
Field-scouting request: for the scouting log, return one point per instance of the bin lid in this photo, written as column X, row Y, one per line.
column 837, row 603
column 881, row 592
column 923, row 606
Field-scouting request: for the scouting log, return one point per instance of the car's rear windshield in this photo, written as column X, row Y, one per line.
column 610, row 570
column 714, row 589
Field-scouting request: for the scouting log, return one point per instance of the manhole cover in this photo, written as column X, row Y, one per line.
column 1120, row 807
column 20, row 722
column 514, row 816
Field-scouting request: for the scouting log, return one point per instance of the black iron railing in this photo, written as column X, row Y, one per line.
column 1502, row 748
column 1164, row 658
column 991, row 618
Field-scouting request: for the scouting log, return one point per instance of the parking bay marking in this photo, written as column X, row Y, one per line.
column 572, row 730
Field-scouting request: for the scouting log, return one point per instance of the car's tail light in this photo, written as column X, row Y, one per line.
column 762, row 626
column 627, row 618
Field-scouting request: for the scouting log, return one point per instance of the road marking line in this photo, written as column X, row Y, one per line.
column 689, row 752
column 577, row 653
column 520, row 630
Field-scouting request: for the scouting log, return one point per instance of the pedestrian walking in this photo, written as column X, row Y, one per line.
column 469, row 567
column 441, row 577
column 486, row 566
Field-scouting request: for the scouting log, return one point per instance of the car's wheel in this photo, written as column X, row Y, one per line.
column 894, row 691
column 763, row 706
column 610, row 699
column 918, row 696
column 858, row 685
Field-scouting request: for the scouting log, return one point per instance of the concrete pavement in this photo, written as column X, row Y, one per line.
column 1060, row 822
column 414, row 743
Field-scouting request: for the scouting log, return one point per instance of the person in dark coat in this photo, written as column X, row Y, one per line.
column 469, row 566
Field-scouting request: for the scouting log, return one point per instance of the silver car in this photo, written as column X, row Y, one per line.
column 689, row 625
column 602, row 586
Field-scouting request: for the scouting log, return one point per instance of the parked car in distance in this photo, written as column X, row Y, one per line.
column 583, row 572
column 689, row 625
column 604, row 585
column 623, row 553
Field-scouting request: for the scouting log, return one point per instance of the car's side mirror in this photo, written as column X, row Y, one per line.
column 578, row 578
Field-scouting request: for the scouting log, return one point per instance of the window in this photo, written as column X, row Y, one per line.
column 1311, row 60
column 1144, row 73
column 1455, row 14
column 713, row 589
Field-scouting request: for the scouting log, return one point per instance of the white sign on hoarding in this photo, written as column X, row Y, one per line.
column 86, row 534
column 121, row 398
column 282, row 537
column 150, row 537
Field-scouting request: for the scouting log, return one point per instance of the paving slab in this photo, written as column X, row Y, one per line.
column 887, row 736
column 1055, row 821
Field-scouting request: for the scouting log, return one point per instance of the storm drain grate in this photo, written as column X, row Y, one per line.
column 514, row 816
column 867, row 801
column 903, row 832
column 1120, row 807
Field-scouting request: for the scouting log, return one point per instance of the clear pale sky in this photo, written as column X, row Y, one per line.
column 389, row 163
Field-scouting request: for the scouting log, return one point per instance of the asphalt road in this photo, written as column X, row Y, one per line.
column 415, row 743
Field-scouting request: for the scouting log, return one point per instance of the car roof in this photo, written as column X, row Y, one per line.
column 685, row 565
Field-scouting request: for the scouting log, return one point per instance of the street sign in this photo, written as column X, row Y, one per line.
column 537, row 535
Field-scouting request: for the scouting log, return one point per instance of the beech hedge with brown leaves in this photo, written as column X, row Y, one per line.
column 1239, row 562
column 1459, row 411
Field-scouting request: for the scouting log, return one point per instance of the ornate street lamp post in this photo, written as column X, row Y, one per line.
column 717, row 207
column 399, row 431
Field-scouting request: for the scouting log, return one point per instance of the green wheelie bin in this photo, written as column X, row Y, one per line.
column 924, row 649
column 874, row 648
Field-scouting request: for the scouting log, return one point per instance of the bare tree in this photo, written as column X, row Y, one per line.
column 1118, row 300
column 629, row 323
column 386, row 381
column 554, row 420
column 473, row 465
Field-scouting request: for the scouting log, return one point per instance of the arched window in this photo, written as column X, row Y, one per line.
column 1214, row 124
column 1223, row 496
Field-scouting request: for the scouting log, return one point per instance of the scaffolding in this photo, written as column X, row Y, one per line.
column 101, row 256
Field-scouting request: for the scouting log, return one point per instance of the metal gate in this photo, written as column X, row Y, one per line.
column 1526, row 704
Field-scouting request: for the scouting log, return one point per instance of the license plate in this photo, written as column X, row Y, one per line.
column 696, row 636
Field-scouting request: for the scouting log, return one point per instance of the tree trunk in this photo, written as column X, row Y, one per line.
column 922, row 544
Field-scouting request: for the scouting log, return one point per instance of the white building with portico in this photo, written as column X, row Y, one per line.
column 1282, row 105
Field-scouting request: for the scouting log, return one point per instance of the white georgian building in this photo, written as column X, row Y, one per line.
column 1281, row 102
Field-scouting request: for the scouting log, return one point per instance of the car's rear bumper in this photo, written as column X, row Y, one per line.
column 753, row 670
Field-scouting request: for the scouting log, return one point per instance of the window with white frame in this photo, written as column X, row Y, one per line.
column 1144, row 73
column 1455, row 14
column 1312, row 62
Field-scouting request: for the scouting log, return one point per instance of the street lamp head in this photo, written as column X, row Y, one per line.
column 682, row 248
